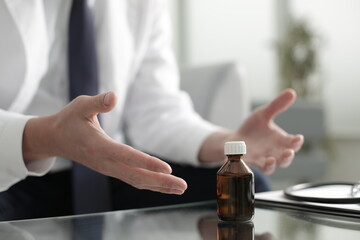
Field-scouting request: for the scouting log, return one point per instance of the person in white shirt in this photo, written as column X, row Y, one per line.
column 139, row 94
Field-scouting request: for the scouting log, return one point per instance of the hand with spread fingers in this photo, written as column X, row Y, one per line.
column 268, row 145
column 75, row 133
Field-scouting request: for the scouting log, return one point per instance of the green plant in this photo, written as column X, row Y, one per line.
column 297, row 57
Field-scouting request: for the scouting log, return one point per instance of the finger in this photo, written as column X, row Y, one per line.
column 145, row 179
column 129, row 156
column 282, row 102
column 290, row 141
column 297, row 142
column 283, row 156
column 286, row 158
column 101, row 103
column 269, row 165
column 165, row 190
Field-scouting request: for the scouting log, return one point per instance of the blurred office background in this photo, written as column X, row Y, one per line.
column 312, row 45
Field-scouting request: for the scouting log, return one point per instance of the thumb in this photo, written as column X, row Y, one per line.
column 282, row 102
column 100, row 103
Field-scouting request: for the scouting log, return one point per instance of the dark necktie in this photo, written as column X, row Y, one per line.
column 91, row 190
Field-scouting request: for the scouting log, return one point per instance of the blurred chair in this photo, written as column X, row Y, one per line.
column 219, row 93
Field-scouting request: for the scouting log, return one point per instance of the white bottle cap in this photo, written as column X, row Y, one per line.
column 235, row 147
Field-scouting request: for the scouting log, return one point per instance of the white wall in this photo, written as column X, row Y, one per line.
column 234, row 30
column 339, row 24
column 244, row 31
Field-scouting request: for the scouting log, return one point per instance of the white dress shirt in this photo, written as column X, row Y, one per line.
column 135, row 61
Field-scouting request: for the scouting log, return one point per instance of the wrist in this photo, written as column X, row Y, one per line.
column 212, row 149
column 37, row 139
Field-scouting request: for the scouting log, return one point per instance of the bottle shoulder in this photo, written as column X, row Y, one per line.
column 235, row 168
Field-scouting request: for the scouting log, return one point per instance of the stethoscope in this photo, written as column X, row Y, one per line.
column 331, row 192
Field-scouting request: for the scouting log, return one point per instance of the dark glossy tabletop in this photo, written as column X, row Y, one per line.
column 189, row 221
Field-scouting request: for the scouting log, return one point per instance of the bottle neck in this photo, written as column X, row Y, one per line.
column 237, row 157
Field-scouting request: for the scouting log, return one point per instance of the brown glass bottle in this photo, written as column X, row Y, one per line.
column 235, row 185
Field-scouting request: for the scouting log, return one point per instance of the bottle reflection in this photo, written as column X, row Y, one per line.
column 235, row 230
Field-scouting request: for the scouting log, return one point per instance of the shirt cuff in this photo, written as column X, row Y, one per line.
column 12, row 166
column 193, row 145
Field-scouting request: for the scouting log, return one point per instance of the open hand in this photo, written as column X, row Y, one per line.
column 268, row 145
column 75, row 133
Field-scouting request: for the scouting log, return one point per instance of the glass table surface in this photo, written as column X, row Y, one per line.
column 186, row 221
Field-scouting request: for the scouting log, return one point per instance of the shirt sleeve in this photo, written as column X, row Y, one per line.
column 160, row 118
column 12, row 166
